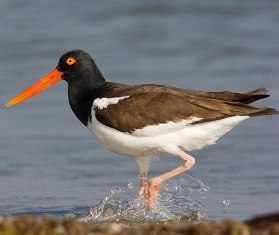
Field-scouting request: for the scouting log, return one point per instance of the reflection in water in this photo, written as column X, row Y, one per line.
column 176, row 202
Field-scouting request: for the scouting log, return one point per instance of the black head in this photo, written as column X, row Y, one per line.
column 78, row 65
column 84, row 80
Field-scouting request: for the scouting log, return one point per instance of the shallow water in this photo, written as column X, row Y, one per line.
column 50, row 162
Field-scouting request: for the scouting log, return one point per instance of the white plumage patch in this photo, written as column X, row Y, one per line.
column 102, row 103
column 191, row 137
column 164, row 128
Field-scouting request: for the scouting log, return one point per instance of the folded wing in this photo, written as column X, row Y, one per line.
column 158, row 105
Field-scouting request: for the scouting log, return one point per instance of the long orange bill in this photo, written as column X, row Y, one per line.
column 37, row 87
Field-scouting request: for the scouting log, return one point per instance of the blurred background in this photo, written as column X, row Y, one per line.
column 50, row 163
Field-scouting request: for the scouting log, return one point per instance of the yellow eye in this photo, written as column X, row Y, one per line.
column 70, row 61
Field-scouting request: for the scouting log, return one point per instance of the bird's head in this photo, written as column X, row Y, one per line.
column 74, row 67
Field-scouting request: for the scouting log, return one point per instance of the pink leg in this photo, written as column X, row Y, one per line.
column 142, row 183
column 151, row 190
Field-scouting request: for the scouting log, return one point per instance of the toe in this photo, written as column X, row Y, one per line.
column 141, row 191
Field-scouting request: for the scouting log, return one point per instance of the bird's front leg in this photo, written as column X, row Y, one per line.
column 151, row 190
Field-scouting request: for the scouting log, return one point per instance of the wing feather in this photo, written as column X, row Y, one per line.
column 148, row 105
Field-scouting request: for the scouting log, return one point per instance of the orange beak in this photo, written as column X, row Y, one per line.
column 37, row 87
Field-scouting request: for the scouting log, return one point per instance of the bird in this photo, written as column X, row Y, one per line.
column 147, row 120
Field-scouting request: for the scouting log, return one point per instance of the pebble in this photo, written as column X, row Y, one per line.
column 114, row 228
column 24, row 225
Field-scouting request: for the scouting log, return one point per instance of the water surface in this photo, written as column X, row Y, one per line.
column 50, row 162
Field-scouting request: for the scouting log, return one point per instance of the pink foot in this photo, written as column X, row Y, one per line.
column 151, row 193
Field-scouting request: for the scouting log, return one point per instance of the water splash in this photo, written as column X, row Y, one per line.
column 226, row 202
column 130, row 185
column 176, row 202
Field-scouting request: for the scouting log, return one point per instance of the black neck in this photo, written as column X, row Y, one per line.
column 81, row 101
column 83, row 88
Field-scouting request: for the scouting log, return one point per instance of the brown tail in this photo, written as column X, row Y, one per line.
column 258, row 94
column 244, row 98
column 265, row 111
column 252, row 96
column 238, row 103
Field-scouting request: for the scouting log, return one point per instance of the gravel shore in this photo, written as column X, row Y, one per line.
column 46, row 225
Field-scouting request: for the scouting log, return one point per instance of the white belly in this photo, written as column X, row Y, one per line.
column 188, row 138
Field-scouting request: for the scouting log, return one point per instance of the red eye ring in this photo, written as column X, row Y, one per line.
column 70, row 61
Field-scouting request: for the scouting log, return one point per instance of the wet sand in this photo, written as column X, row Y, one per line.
column 46, row 225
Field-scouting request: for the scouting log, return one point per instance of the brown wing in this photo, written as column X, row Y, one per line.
column 245, row 98
column 155, row 104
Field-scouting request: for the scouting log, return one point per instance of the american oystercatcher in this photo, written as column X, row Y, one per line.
column 143, row 121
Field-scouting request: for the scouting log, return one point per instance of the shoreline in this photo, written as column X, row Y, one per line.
column 47, row 225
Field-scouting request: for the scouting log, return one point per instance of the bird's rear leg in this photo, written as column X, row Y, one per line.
column 152, row 188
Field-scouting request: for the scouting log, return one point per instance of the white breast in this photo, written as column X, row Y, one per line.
column 191, row 137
